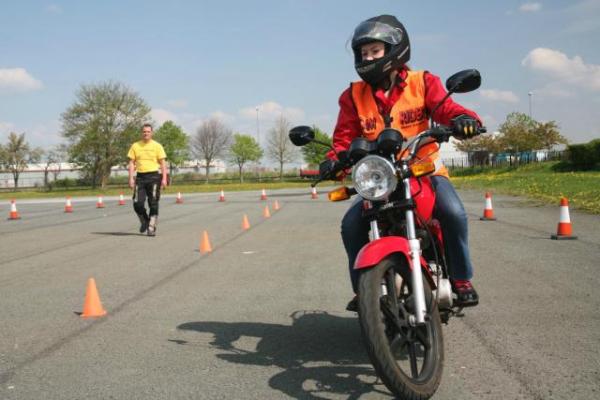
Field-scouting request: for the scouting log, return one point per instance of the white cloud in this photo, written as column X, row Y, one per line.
column 559, row 66
column 271, row 110
column 177, row 103
column 18, row 79
column 505, row 96
column 530, row 7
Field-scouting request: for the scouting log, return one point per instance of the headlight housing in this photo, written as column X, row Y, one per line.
column 374, row 178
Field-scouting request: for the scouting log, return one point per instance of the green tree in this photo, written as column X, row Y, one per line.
column 548, row 135
column 314, row 153
column 100, row 127
column 517, row 133
column 175, row 142
column 16, row 154
column 211, row 141
column 279, row 147
column 244, row 148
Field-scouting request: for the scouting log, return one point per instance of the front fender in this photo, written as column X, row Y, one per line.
column 373, row 252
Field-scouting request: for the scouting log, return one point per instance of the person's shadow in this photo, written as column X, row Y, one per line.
column 315, row 337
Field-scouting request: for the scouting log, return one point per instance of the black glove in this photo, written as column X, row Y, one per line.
column 328, row 169
column 465, row 127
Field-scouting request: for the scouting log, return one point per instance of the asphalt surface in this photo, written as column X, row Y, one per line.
column 262, row 316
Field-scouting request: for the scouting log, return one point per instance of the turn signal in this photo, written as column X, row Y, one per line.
column 339, row 194
column 422, row 168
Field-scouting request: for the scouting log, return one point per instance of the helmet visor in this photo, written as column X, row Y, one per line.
column 376, row 31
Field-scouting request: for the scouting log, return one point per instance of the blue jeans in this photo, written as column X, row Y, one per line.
column 448, row 210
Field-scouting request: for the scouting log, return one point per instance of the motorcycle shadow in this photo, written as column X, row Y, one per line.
column 314, row 338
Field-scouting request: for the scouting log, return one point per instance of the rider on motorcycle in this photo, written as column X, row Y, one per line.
column 390, row 93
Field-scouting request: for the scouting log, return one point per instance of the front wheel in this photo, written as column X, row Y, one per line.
column 408, row 358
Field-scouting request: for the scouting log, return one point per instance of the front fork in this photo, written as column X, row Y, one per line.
column 415, row 255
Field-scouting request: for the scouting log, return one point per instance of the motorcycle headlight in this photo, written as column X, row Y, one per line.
column 374, row 178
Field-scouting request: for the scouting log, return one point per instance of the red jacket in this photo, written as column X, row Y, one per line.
column 348, row 124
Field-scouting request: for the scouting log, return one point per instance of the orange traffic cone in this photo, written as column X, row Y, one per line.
column 100, row 202
column 313, row 193
column 263, row 195
column 266, row 212
column 488, row 212
column 92, row 307
column 564, row 229
column 276, row 206
column 205, row 246
column 179, row 199
column 222, row 196
column 13, row 214
column 68, row 205
column 245, row 223
column 121, row 199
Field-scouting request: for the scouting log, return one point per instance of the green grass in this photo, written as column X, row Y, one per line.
column 183, row 188
column 539, row 182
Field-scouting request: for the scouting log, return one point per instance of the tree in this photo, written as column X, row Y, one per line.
column 314, row 153
column 16, row 154
column 101, row 125
column 279, row 147
column 516, row 133
column 548, row 135
column 53, row 159
column 175, row 142
column 244, row 148
column 211, row 140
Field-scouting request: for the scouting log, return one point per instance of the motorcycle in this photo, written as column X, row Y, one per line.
column 404, row 289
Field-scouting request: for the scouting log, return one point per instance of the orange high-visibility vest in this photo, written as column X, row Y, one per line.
column 409, row 115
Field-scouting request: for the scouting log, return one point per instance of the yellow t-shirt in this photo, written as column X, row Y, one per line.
column 146, row 155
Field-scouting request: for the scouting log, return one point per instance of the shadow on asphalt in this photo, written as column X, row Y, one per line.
column 315, row 337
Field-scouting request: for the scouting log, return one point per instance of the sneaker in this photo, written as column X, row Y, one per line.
column 353, row 305
column 152, row 226
column 143, row 223
column 466, row 295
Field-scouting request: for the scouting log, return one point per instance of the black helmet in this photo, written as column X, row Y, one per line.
column 386, row 29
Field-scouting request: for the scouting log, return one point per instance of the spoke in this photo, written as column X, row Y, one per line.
column 412, row 354
column 424, row 339
column 399, row 342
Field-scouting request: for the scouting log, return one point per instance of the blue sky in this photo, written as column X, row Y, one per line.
column 193, row 60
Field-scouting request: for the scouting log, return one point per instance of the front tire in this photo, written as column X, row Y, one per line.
column 408, row 359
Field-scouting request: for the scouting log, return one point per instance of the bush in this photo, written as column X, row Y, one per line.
column 584, row 156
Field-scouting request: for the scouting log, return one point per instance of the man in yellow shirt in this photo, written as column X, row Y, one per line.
column 146, row 156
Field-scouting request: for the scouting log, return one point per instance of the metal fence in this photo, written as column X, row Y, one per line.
column 501, row 160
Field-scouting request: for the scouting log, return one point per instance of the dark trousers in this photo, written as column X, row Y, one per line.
column 448, row 210
column 147, row 186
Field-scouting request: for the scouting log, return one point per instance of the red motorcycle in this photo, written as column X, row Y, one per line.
column 404, row 287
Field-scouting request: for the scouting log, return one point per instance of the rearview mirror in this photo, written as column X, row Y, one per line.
column 302, row 135
column 464, row 81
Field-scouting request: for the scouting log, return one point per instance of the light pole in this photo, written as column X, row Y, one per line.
column 258, row 140
column 530, row 100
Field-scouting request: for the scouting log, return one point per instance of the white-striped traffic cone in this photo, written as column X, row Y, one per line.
column 13, row 214
column 68, row 205
column 100, row 202
column 488, row 212
column 179, row 198
column 263, row 195
column 121, row 199
column 564, row 229
column 222, row 196
column 313, row 193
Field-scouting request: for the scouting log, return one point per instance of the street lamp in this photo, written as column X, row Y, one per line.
column 258, row 140
column 530, row 100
